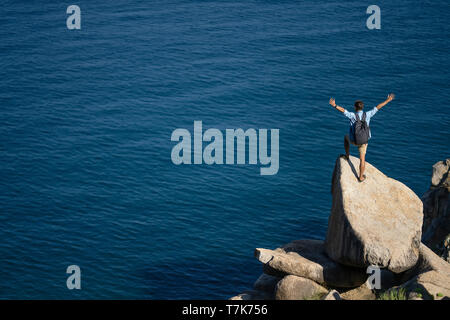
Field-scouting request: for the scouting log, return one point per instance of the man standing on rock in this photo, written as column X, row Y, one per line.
column 359, row 134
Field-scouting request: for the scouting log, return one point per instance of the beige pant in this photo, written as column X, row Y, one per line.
column 362, row 148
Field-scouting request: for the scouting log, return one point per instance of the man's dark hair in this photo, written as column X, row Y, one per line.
column 359, row 105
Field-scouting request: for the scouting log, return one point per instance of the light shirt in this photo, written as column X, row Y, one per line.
column 352, row 117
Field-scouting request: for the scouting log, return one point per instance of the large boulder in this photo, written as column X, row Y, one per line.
column 298, row 288
column 307, row 259
column 375, row 222
column 436, row 210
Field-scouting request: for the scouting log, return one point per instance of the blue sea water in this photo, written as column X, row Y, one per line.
column 86, row 117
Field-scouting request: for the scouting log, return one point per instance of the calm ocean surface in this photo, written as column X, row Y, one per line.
column 86, row 117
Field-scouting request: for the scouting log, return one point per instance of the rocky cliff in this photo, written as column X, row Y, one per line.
column 375, row 224
column 436, row 210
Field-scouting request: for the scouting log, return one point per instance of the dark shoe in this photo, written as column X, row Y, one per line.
column 363, row 178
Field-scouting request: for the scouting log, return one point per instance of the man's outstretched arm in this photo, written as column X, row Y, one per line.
column 333, row 103
column 390, row 97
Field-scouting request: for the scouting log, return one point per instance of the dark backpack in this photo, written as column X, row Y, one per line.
column 361, row 130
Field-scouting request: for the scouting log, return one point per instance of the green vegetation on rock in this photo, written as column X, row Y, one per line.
column 393, row 294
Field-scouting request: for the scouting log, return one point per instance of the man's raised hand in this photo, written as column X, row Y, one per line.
column 332, row 102
column 390, row 97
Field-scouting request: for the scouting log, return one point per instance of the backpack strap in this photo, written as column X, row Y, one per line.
column 363, row 117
